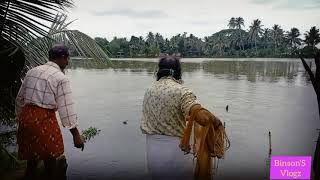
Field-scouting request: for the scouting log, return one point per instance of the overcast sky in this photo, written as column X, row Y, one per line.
column 123, row 18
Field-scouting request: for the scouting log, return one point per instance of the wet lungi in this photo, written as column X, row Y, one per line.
column 166, row 160
column 39, row 135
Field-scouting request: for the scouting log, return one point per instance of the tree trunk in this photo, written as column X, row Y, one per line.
column 255, row 45
column 318, row 97
column 316, row 159
column 315, row 79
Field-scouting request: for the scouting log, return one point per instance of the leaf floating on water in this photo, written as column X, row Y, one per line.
column 90, row 133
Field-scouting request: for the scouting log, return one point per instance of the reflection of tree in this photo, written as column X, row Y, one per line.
column 190, row 67
column 270, row 71
column 265, row 71
column 134, row 66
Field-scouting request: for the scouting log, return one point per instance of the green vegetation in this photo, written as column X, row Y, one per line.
column 90, row 133
column 24, row 44
column 232, row 42
column 25, row 39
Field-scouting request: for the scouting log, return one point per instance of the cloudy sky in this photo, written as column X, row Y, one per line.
column 123, row 18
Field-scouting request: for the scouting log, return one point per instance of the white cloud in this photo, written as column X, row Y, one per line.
column 123, row 18
column 131, row 13
column 289, row 4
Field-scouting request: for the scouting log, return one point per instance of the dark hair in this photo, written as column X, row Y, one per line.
column 169, row 66
column 58, row 51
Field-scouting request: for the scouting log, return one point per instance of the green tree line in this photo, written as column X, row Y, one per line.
column 257, row 41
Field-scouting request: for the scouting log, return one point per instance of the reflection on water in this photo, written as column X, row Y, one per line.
column 271, row 71
column 262, row 96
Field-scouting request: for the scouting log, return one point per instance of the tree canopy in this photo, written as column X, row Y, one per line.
column 235, row 41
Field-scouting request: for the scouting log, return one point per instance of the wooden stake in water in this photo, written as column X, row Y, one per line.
column 268, row 158
column 270, row 147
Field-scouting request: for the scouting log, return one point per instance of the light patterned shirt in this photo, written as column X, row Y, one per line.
column 166, row 104
column 46, row 86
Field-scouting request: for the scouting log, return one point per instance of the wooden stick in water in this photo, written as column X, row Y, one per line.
column 270, row 147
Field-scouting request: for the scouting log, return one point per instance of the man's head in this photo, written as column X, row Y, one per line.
column 169, row 66
column 59, row 54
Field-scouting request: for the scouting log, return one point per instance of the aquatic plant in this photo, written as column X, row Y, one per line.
column 90, row 133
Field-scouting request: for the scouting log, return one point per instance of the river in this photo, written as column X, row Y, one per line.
column 262, row 94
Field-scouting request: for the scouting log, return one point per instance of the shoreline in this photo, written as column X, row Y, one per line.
column 200, row 60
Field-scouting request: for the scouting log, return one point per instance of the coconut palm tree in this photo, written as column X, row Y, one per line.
column 232, row 23
column 160, row 41
column 293, row 38
column 255, row 32
column 266, row 37
column 18, row 28
column 150, row 39
column 220, row 44
column 239, row 22
column 277, row 35
column 208, row 45
column 25, row 28
column 23, row 14
column 312, row 37
column 27, row 31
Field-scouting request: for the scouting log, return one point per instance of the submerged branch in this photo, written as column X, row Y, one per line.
column 312, row 77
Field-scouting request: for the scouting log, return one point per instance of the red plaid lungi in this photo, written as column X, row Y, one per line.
column 39, row 136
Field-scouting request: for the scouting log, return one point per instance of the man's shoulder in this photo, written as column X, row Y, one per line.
column 58, row 75
column 34, row 71
column 46, row 71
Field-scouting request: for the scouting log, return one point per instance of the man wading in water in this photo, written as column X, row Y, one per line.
column 44, row 91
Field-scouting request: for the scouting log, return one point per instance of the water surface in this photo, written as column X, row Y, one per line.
column 263, row 95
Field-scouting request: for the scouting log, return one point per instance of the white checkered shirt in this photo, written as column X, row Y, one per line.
column 46, row 86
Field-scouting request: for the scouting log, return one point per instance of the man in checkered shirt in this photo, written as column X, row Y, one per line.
column 44, row 91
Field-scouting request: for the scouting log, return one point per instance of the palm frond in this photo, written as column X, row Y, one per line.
column 32, row 16
column 37, row 49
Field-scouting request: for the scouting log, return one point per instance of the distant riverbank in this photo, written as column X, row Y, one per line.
column 188, row 59
column 208, row 59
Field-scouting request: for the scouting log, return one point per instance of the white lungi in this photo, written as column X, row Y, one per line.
column 165, row 159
